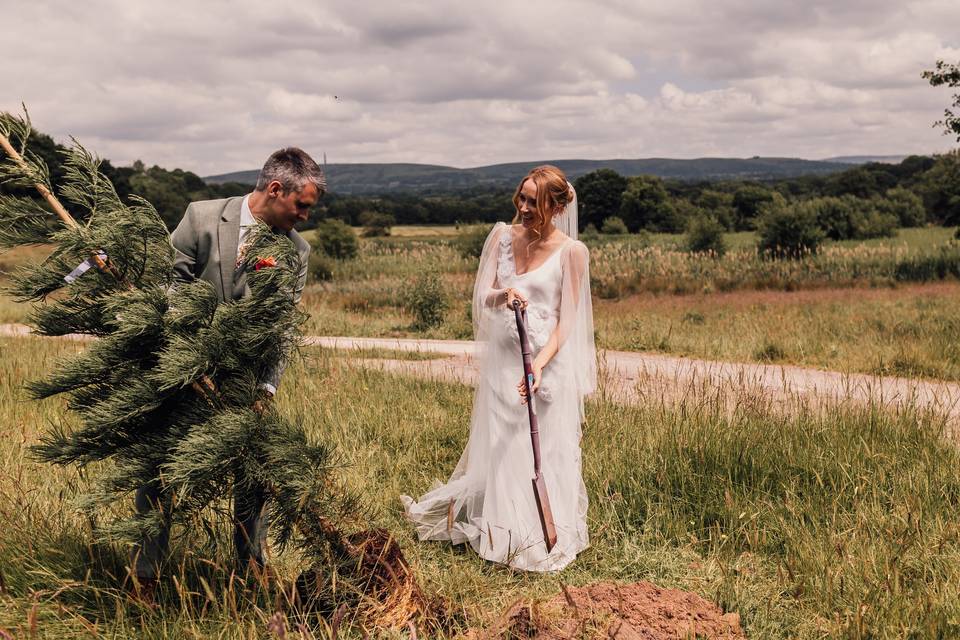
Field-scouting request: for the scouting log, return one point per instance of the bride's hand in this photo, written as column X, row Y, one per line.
column 513, row 294
column 522, row 387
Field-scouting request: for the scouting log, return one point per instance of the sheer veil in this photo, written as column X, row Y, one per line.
column 567, row 220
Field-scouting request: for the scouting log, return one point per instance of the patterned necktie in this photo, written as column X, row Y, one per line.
column 239, row 273
column 242, row 252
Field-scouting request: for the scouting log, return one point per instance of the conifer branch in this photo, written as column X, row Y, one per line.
column 165, row 395
column 51, row 199
column 47, row 193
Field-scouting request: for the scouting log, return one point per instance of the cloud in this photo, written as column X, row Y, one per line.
column 217, row 86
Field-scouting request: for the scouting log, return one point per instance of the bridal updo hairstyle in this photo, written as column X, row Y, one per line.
column 553, row 193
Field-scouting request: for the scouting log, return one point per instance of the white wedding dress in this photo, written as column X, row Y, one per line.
column 489, row 500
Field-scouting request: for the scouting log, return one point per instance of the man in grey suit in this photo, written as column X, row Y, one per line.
column 208, row 241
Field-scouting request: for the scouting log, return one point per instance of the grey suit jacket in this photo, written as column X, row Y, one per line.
column 206, row 248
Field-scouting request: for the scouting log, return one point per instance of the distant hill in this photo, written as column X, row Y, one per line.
column 866, row 159
column 360, row 179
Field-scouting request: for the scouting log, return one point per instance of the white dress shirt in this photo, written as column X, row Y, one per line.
column 247, row 223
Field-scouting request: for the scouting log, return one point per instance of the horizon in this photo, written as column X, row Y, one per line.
column 834, row 159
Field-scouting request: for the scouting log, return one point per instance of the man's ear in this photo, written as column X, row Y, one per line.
column 274, row 188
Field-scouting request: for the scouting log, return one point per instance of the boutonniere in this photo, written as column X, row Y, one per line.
column 263, row 263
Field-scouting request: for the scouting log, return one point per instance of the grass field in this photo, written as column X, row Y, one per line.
column 886, row 306
column 846, row 310
column 911, row 330
column 841, row 526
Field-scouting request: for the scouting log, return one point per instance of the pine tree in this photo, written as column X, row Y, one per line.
column 167, row 389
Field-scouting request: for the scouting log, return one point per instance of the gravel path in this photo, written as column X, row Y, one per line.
column 630, row 377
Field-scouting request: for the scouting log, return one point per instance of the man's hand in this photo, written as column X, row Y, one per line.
column 263, row 402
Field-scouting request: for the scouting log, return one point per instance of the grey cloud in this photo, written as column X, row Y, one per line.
column 217, row 86
column 401, row 28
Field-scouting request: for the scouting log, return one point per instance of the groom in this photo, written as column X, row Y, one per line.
column 208, row 241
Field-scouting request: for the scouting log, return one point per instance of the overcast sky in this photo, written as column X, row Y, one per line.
column 215, row 86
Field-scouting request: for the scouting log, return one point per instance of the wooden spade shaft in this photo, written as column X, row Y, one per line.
column 539, row 484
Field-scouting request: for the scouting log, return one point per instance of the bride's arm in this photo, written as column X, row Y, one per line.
column 575, row 265
column 486, row 289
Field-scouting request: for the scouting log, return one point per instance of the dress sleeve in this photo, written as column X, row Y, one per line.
column 575, row 326
column 486, row 288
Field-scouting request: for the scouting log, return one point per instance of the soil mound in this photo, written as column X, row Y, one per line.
column 638, row 611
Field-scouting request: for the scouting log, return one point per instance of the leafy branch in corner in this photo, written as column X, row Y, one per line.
column 949, row 75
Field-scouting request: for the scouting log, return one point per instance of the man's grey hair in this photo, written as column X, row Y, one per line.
column 293, row 168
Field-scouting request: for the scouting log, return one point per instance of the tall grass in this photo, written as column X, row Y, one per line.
column 366, row 297
column 618, row 270
column 908, row 331
column 835, row 522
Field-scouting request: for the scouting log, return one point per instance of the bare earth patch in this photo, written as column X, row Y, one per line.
column 638, row 611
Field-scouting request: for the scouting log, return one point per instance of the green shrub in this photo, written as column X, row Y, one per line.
column 718, row 205
column 470, row 240
column 646, row 204
column 705, row 235
column 789, row 231
column 770, row 352
column 590, row 231
column 852, row 218
column 321, row 267
column 876, row 224
column 613, row 226
column 375, row 224
column 945, row 263
column 336, row 239
column 427, row 300
column 903, row 204
column 749, row 203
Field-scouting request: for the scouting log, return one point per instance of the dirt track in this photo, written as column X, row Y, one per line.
column 630, row 377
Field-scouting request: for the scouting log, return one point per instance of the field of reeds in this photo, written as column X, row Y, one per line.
column 909, row 330
column 843, row 525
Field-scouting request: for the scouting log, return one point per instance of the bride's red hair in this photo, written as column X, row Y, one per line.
column 553, row 193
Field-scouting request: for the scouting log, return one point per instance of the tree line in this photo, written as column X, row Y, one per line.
column 169, row 191
column 863, row 201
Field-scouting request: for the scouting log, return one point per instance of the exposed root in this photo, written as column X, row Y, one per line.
column 388, row 595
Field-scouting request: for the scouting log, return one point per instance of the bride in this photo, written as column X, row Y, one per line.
column 489, row 500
